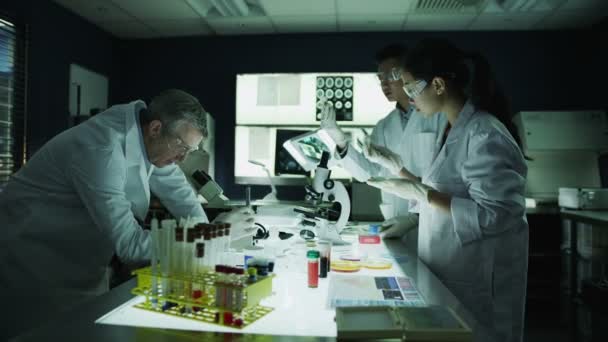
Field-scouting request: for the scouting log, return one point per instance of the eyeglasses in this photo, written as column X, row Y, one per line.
column 392, row 75
column 414, row 89
column 181, row 147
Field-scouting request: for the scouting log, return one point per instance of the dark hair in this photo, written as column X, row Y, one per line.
column 439, row 58
column 396, row 51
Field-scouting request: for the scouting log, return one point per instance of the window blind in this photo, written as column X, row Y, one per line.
column 13, row 84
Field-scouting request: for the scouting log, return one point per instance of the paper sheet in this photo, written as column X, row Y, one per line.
column 357, row 290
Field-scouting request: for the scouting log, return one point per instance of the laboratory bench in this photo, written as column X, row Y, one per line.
column 299, row 310
column 586, row 258
column 594, row 217
column 544, row 255
column 592, row 248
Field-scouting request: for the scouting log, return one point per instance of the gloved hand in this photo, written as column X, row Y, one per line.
column 383, row 156
column 398, row 226
column 402, row 187
column 329, row 124
column 241, row 222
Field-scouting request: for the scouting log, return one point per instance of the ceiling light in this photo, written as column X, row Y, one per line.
column 226, row 8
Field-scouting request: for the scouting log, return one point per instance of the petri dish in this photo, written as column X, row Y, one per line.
column 350, row 257
column 345, row 266
column 377, row 263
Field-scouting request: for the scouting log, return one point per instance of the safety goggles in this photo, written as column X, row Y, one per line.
column 414, row 89
column 392, row 75
column 181, row 147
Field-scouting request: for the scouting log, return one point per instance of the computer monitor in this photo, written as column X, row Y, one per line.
column 265, row 145
column 306, row 148
column 284, row 162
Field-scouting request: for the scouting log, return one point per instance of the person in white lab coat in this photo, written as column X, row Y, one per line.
column 79, row 198
column 473, row 231
column 404, row 131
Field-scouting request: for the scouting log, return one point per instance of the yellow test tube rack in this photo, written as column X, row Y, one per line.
column 203, row 308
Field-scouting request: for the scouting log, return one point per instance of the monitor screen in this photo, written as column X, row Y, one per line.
column 284, row 163
column 307, row 148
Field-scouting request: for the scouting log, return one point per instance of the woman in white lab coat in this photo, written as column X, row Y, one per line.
column 473, row 232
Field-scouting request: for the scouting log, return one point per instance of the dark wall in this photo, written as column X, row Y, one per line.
column 57, row 38
column 539, row 70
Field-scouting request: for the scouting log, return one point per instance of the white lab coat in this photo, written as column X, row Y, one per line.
column 415, row 144
column 480, row 250
column 74, row 204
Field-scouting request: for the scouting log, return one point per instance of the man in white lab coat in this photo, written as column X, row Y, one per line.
column 409, row 135
column 78, row 201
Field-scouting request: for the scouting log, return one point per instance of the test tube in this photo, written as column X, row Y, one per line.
column 189, row 255
column 198, row 233
column 197, row 286
column 230, row 288
column 240, row 284
column 213, row 246
column 177, row 252
column 227, row 235
column 182, row 222
column 166, row 232
column 154, row 260
column 220, row 245
column 220, row 289
column 207, row 256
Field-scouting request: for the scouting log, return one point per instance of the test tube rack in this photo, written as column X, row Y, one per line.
column 203, row 308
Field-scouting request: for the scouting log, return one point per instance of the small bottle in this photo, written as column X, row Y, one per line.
column 252, row 275
column 373, row 229
column 324, row 251
column 262, row 269
column 313, row 268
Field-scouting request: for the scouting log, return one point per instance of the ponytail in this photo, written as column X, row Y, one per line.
column 487, row 95
column 434, row 57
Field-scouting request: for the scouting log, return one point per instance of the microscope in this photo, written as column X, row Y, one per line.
column 209, row 189
column 329, row 221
